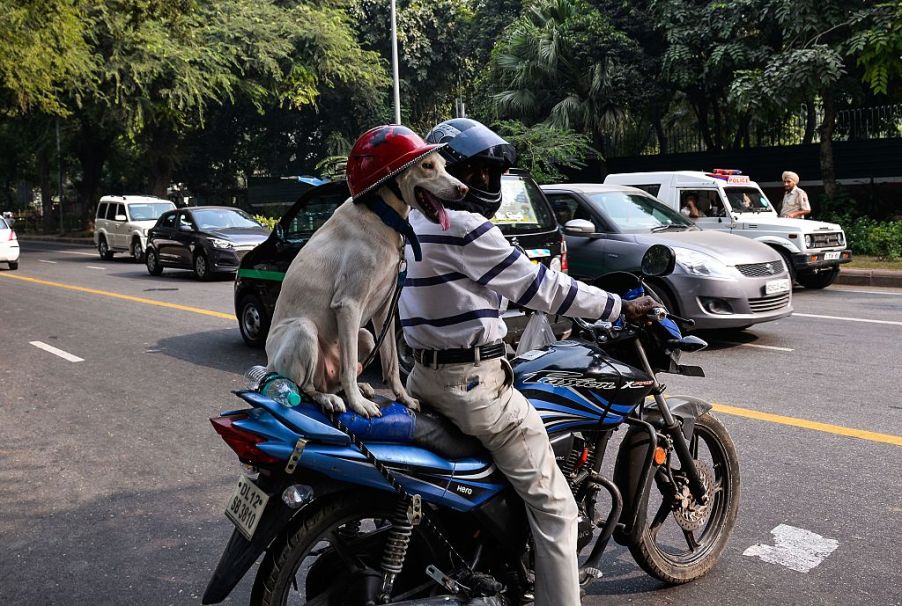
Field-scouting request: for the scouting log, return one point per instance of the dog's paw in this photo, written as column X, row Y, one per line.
column 367, row 390
column 408, row 401
column 330, row 402
column 365, row 408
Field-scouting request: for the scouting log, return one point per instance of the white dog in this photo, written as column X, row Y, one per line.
column 341, row 279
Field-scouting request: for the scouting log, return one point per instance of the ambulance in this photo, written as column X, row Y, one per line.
column 728, row 201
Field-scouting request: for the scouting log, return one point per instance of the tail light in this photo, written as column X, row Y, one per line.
column 243, row 442
column 565, row 266
column 12, row 234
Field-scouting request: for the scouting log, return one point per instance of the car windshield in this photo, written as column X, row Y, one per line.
column 149, row 211
column 747, row 199
column 523, row 208
column 221, row 218
column 638, row 213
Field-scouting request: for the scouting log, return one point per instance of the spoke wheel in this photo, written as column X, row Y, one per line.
column 684, row 538
column 334, row 552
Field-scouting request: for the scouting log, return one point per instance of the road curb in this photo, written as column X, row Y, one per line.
column 64, row 239
column 870, row 277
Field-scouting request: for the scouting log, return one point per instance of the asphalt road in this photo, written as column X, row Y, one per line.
column 113, row 483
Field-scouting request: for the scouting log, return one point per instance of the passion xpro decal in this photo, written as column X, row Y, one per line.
column 567, row 378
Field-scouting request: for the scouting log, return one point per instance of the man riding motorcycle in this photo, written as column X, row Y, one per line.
column 450, row 314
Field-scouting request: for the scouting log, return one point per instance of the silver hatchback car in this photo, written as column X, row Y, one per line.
column 720, row 280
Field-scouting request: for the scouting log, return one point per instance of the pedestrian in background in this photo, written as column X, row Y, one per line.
column 795, row 200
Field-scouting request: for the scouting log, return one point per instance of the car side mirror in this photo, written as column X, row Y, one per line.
column 119, row 218
column 579, row 227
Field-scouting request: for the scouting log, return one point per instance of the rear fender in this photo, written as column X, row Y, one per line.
column 240, row 554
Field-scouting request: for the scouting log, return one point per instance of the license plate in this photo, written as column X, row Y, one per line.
column 245, row 507
column 776, row 286
column 830, row 256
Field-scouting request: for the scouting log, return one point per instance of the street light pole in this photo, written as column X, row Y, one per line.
column 394, row 62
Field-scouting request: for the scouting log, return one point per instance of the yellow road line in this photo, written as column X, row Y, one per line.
column 115, row 295
column 813, row 425
column 724, row 408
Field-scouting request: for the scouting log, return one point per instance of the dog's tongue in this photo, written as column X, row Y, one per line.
column 443, row 218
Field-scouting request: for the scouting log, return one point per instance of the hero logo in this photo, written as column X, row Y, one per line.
column 464, row 490
column 564, row 378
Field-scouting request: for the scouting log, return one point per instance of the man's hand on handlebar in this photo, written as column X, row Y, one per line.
column 638, row 308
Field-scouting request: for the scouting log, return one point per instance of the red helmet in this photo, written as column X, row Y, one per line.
column 382, row 153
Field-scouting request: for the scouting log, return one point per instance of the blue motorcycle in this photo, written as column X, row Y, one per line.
column 405, row 509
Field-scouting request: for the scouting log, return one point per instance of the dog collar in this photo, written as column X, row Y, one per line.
column 391, row 218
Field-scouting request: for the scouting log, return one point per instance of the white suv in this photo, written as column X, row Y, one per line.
column 122, row 222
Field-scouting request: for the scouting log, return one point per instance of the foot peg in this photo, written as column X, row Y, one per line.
column 444, row 580
column 588, row 574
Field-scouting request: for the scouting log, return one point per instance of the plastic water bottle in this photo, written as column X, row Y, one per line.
column 281, row 390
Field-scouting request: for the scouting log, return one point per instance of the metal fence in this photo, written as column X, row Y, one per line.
column 856, row 124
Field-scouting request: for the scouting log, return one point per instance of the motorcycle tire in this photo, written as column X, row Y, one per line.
column 284, row 577
column 659, row 555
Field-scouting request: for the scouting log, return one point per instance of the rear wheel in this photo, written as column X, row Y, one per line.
column 684, row 538
column 253, row 321
column 104, row 249
column 152, row 262
column 335, row 552
column 137, row 250
column 821, row 279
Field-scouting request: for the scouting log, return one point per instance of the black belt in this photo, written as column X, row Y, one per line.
column 434, row 357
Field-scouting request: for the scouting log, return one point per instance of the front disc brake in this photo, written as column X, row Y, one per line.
column 688, row 512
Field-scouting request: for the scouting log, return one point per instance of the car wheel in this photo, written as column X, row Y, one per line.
column 821, row 279
column 14, row 265
column 253, row 321
column 202, row 267
column 658, row 292
column 405, row 353
column 137, row 251
column 787, row 261
column 104, row 249
column 154, row 267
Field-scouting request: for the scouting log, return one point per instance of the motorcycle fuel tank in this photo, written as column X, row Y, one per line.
column 575, row 385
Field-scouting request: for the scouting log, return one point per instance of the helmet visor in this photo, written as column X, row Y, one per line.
column 484, row 143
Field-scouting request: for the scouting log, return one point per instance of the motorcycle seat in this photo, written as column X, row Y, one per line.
column 398, row 424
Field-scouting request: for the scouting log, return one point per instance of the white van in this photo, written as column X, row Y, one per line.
column 122, row 222
column 731, row 202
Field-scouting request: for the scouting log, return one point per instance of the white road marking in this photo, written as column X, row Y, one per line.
column 57, row 352
column 46, row 261
column 94, row 267
column 865, row 320
column 872, row 292
column 773, row 347
column 73, row 252
column 795, row 548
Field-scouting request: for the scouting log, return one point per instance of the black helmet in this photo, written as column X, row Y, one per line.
column 472, row 144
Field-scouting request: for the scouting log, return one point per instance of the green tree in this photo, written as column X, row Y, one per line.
column 544, row 150
column 44, row 54
column 563, row 63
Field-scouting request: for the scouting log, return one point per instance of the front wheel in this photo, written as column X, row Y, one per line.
column 684, row 538
column 202, row 267
column 821, row 279
column 152, row 262
column 331, row 554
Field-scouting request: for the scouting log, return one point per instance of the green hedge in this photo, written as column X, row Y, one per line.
column 866, row 236
column 269, row 222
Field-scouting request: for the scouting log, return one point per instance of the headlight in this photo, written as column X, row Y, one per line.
column 809, row 240
column 217, row 243
column 700, row 264
column 842, row 239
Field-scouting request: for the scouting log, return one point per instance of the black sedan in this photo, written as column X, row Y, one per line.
column 525, row 218
column 206, row 239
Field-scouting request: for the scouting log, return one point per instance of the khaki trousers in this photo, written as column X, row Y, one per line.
column 481, row 401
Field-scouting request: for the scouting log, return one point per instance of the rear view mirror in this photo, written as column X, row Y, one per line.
column 658, row 260
column 579, row 227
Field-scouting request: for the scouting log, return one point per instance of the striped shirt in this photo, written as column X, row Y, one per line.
column 452, row 298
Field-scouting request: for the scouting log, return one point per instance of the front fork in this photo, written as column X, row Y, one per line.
column 674, row 431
